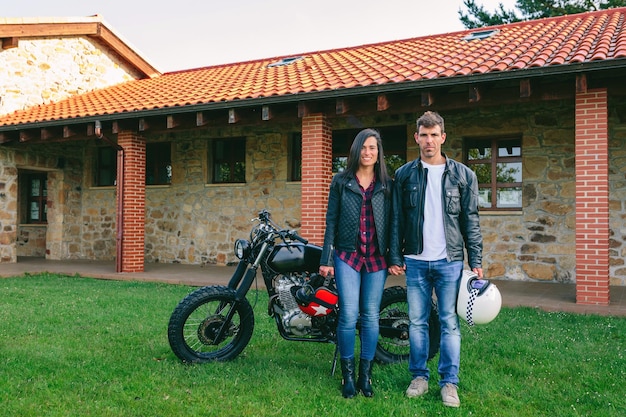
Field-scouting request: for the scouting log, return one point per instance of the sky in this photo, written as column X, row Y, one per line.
column 184, row 34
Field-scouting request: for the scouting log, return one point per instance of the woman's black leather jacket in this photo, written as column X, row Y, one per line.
column 344, row 210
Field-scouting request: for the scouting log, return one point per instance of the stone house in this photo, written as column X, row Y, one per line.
column 171, row 167
column 45, row 60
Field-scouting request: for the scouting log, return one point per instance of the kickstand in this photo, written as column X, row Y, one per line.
column 334, row 367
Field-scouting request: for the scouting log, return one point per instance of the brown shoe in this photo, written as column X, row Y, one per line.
column 418, row 387
column 449, row 396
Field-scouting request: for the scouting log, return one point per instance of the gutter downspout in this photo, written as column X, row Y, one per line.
column 120, row 196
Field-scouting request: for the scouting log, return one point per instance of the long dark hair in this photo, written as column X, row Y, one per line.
column 380, row 169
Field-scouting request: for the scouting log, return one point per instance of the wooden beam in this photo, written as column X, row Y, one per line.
column 525, row 88
column 46, row 134
column 581, row 83
column 201, row 119
column 68, row 132
column 27, row 30
column 266, row 113
column 173, row 122
column 25, row 136
column 233, row 117
column 341, row 106
column 382, row 103
column 5, row 138
column 427, row 99
column 8, row 43
column 303, row 110
column 474, row 94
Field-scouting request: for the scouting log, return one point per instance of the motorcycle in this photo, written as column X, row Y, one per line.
column 215, row 323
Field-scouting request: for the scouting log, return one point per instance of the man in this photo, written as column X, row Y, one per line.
column 435, row 216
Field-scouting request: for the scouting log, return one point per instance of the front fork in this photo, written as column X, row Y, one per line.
column 241, row 281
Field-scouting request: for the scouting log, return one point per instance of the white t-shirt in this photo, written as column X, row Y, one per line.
column 433, row 231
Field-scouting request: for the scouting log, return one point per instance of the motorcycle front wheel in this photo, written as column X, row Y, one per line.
column 200, row 330
column 393, row 339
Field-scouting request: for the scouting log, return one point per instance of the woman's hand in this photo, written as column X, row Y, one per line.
column 327, row 270
column 397, row 270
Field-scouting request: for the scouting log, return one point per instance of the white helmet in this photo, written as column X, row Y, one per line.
column 479, row 300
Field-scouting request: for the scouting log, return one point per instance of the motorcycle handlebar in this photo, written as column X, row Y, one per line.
column 266, row 217
column 299, row 238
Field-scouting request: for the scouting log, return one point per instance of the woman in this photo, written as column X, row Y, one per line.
column 355, row 245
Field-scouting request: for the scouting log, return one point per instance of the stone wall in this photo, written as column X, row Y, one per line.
column 31, row 241
column 192, row 222
column 195, row 222
column 63, row 201
column 8, row 205
column 45, row 70
column 536, row 243
column 617, row 198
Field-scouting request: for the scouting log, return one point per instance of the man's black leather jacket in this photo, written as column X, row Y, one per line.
column 460, row 213
column 343, row 214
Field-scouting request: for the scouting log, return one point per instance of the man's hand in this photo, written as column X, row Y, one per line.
column 478, row 271
column 397, row 270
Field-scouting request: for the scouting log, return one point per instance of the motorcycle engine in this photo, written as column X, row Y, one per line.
column 294, row 320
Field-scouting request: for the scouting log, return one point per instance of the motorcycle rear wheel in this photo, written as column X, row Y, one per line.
column 196, row 322
column 393, row 347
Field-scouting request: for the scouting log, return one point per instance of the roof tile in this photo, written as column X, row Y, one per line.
column 564, row 40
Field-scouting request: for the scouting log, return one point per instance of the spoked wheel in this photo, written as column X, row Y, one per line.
column 210, row 325
column 393, row 339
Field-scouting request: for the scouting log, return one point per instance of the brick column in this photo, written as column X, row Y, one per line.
column 133, row 201
column 317, row 172
column 592, row 198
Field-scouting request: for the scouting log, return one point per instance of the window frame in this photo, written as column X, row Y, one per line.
column 295, row 157
column 494, row 186
column 159, row 161
column 41, row 200
column 234, row 152
column 102, row 167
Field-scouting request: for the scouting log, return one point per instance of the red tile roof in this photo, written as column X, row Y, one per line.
column 547, row 43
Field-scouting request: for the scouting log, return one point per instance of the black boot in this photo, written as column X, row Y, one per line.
column 347, row 384
column 364, row 383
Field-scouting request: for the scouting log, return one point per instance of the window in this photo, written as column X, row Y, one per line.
column 481, row 34
column 295, row 157
column 285, row 61
column 229, row 161
column 36, row 198
column 497, row 163
column 105, row 171
column 394, row 145
column 158, row 163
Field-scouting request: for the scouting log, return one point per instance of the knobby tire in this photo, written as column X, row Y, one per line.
column 196, row 322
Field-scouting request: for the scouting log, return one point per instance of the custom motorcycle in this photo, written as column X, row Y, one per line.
column 215, row 323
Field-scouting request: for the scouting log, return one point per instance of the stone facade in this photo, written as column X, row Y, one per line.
column 31, row 240
column 41, row 71
column 63, row 202
column 192, row 222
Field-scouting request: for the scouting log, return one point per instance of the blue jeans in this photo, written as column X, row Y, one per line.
column 421, row 278
column 360, row 293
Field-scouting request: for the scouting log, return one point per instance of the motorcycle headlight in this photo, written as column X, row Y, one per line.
column 242, row 248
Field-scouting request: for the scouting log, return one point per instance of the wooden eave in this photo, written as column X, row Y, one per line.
column 10, row 33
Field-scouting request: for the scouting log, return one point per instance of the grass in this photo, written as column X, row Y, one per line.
column 73, row 346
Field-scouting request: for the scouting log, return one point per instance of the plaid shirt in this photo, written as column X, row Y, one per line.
column 367, row 253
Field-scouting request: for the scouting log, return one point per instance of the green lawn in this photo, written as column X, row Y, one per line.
column 73, row 346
